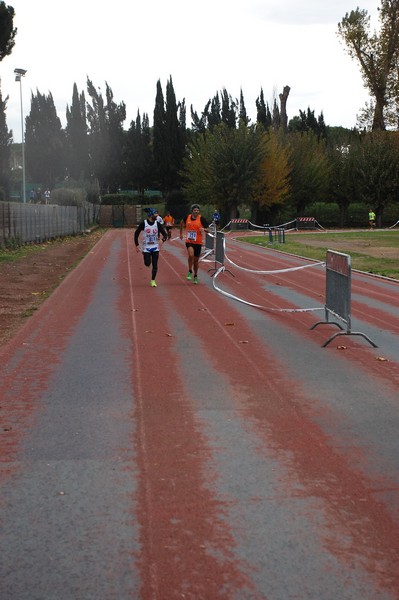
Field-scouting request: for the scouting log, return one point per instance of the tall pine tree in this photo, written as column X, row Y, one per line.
column 77, row 138
column 44, row 142
column 5, row 148
column 138, row 158
column 169, row 137
column 106, row 137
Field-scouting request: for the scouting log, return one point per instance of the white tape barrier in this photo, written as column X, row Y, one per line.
column 289, row 310
column 317, row 264
column 205, row 254
column 273, row 227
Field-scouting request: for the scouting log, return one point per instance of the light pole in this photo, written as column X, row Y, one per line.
column 19, row 73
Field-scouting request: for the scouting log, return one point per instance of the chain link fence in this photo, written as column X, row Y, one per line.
column 35, row 223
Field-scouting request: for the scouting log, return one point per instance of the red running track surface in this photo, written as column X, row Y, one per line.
column 171, row 442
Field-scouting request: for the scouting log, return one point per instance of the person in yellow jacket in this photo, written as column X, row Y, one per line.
column 195, row 224
column 371, row 218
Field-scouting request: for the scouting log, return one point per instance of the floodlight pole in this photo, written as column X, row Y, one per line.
column 19, row 73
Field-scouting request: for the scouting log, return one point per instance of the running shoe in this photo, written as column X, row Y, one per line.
column 153, row 283
column 188, row 275
column 195, row 279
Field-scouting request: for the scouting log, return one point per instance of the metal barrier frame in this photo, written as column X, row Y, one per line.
column 220, row 243
column 338, row 295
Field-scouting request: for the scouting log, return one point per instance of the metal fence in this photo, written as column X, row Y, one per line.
column 338, row 295
column 35, row 223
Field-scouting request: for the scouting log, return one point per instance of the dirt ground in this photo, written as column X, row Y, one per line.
column 26, row 282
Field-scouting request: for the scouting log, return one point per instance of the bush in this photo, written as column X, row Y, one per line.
column 176, row 204
column 326, row 214
column 357, row 215
column 119, row 199
column 391, row 215
column 68, row 197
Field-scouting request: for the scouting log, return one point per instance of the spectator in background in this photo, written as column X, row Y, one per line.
column 371, row 218
column 216, row 218
column 169, row 222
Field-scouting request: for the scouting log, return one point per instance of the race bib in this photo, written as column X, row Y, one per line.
column 192, row 236
column 151, row 239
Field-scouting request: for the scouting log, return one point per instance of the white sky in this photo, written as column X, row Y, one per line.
column 205, row 46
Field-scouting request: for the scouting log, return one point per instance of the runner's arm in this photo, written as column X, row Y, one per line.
column 162, row 231
column 139, row 229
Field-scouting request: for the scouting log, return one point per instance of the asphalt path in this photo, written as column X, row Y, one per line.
column 175, row 442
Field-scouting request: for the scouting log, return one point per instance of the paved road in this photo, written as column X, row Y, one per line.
column 175, row 443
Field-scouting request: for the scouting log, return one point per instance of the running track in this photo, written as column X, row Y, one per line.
column 174, row 443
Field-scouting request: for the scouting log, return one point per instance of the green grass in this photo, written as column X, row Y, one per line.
column 10, row 255
column 16, row 251
column 374, row 252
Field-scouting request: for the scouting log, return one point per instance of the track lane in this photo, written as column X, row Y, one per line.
column 245, row 476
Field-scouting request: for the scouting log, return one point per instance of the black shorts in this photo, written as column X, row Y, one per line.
column 196, row 247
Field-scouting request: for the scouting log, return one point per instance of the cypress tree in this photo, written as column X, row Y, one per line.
column 44, row 141
column 5, row 150
column 242, row 115
column 77, row 138
column 159, row 136
column 215, row 116
column 228, row 112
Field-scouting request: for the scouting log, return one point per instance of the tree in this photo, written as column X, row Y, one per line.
column 223, row 166
column 106, row 137
column 341, row 151
column 283, row 107
column 309, row 170
column 228, row 110
column 175, row 124
column 159, row 135
column 214, row 115
column 242, row 115
column 7, row 30
column 44, row 141
column 139, row 162
column 77, row 137
column 376, row 170
column 308, row 122
column 377, row 54
column 169, row 137
column 273, row 187
column 199, row 124
column 263, row 114
column 5, row 151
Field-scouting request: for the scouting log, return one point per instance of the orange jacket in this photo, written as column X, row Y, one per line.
column 169, row 220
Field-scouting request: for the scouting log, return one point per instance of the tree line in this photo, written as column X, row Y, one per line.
column 274, row 166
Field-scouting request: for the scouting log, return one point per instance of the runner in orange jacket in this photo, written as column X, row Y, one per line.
column 194, row 225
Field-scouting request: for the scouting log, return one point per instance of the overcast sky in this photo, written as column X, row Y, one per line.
column 205, row 46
